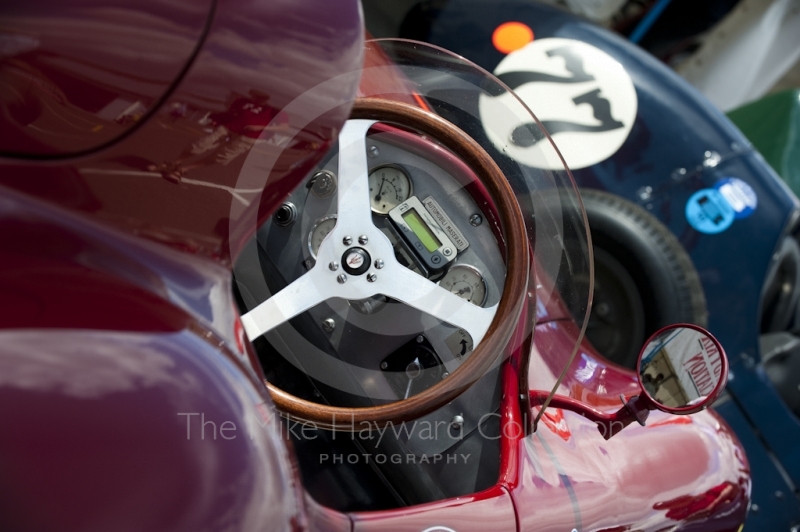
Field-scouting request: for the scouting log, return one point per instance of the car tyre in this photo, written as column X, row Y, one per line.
column 644, row 279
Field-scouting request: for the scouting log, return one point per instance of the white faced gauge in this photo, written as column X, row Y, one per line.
column 321, row 229
column 389, row 186
column 466, row 282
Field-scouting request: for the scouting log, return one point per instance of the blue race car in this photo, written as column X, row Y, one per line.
column 689, row 222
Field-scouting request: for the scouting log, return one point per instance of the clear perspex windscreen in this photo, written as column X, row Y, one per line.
column 484, row 108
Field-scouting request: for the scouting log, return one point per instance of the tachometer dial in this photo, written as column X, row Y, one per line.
column 389, row 186
column 466, row 282
column 321, row 229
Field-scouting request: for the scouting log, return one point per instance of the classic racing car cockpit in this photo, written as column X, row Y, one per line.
column 390, row 290
column 386, row 289
column 433, row 228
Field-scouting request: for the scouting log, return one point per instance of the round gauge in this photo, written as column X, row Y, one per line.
column 321, row 229
column 466, row 282
column 389, row 186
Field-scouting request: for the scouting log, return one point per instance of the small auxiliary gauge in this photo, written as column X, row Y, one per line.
column 321, row 229
column 418, row 227
column 466, row 282
column 389, row 186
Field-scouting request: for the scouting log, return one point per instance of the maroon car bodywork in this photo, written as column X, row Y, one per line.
column 129, row 397
column 78, row 75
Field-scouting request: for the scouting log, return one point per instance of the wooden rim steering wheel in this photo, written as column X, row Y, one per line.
column 490, row 328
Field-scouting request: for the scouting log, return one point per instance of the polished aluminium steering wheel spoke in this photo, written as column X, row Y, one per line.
column 298, row 297
column 394, row 280
column 354, row 227
column 426, row 296
column 354, row 212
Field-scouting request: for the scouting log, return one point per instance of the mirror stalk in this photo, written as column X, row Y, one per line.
column 682, row 369
column 637, row 408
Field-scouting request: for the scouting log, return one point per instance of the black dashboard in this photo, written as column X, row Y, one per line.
column 358, row 352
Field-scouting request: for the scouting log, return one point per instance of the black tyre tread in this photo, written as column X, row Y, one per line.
column 690, row 289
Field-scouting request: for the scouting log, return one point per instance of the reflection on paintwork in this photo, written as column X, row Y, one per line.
column 571, row 476
column 76, row 370
column 587, row 368
column 75, row 75
column 115, row 405
column 201, row 205
column 571, row 471
column 489, row 510
column 246, row 121
column 699, row 507
column 142, row 277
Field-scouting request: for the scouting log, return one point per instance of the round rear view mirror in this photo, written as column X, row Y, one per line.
column 682, row 369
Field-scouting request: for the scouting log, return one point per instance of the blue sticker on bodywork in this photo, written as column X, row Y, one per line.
column 741, row 196
column 709, row 212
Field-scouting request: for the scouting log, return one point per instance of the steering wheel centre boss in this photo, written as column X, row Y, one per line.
column 423, row 234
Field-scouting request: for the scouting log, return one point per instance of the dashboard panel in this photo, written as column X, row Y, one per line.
column 377, row 350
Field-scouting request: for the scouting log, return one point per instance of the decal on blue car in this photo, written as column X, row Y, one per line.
column 740, row 195
column 584, row 98
column 709, row 212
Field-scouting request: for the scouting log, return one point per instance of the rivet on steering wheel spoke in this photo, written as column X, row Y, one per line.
column 378, row 263
column 372, row 277
column 342, row 278
column 363, row 239
column 333, row 266
column 347, row 240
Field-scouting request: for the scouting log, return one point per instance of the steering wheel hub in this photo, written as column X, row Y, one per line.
column 356, row 261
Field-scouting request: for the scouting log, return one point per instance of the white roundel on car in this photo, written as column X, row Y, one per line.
column 584, row 98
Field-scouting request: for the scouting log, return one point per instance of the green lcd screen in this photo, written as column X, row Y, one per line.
column 412, row 218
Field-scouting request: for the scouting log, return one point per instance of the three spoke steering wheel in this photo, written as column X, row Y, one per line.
column 357, row 261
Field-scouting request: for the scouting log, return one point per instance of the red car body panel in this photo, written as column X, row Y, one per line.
column 678, row 471
column 107, row 335
column 78, row 75
column 492, row 509
column 217, row 205
column 122, row 359
column 632, row 475
column 641, row 469
column 108, row 341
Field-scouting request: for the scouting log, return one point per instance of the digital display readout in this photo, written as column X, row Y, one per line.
column 414, row 221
